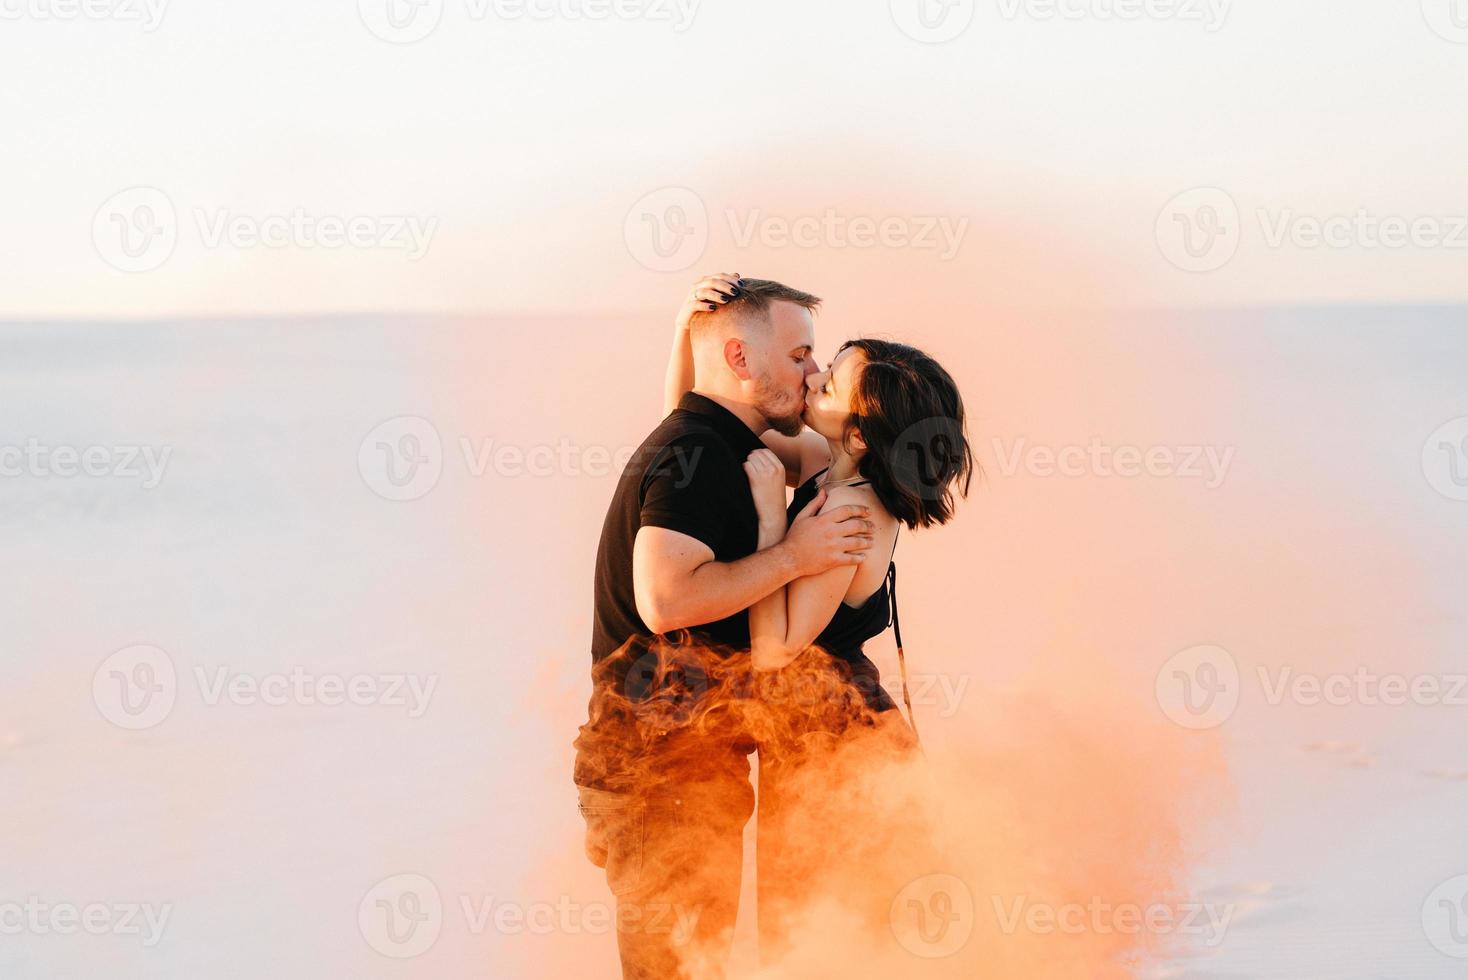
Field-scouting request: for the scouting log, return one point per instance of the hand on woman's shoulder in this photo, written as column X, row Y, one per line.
column 867, row 497
column 872, row 570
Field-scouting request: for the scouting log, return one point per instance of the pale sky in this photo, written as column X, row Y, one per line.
column 494, row 164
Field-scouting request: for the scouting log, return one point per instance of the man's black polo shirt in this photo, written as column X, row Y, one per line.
column 687, row 476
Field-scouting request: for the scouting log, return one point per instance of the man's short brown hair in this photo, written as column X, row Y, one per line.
column 754, row 300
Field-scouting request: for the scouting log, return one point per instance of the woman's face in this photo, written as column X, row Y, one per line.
column 828, row 394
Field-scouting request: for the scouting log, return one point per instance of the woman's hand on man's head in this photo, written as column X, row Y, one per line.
column 708, row 294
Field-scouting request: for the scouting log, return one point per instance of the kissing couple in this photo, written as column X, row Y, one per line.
column 713, row 593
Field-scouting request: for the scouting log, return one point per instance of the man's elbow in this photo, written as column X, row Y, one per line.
column 659, row 624
column 661, row 614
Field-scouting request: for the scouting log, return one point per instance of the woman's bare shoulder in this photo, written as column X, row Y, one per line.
column 871, row 572
column 867, row 497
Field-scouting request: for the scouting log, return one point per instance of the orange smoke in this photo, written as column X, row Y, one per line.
column 1010, row 855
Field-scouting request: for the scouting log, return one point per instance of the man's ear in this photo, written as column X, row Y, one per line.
column 737, row 357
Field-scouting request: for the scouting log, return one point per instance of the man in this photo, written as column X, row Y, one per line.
column 677, row 568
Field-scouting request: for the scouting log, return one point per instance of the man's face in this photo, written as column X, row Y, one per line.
column 779, row 382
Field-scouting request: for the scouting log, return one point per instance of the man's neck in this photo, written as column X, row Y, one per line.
column 747, row 414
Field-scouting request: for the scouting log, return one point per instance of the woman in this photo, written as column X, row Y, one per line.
column 884, row 428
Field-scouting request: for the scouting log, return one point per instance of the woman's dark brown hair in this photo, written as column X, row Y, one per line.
column 909, row 413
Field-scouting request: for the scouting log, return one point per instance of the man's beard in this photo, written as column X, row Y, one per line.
column 787, row 422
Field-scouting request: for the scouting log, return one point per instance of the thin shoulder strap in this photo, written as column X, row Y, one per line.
column 901, row 657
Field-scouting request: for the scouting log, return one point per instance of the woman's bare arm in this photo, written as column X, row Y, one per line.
column 787, row 621
column 708, row 294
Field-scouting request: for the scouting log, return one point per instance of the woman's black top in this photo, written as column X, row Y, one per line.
column 854, row 625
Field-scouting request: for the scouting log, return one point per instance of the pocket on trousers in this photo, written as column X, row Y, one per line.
column 615, row 823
